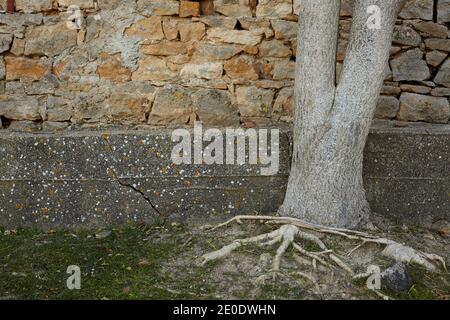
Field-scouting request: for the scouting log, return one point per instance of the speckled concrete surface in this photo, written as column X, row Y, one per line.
column 98, row 178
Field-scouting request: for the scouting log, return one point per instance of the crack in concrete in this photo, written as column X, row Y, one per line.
column 128, row 185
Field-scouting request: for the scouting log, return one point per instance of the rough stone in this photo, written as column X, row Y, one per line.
column 49, row 40
column 165, row 48
column 387, row 107
column 5, row 42
column 438, row 44
column 284, row 104
column 232, row 8
column 18, row 47
column 112, row 69
column 418, row 9
column 431, row 29
column 254, row 102
column 189, row 9
column 275, row 49
column 126, row 107
column 153, row 69
column 20, row 107
column 24, row 126
column 443, row 10
column 284, row 70
column 191, row 31
column 415, row 88
column 440, row 92
column 410, row 66
column 147, row 29
column 396, row 278
column 34, row 5
column 54, row 126
column 58, row 109
column 274, row 8
column 172, row 106
column 442, row 227
column 390, row 90
column 158, row 7
column 241, row 67
column 82, row 4
column 2, row 68
column 214, row 108
column 216, row 51
column 406, row 36
column 209, row 70
column 284, row 29
column 219, row 22
column 435, row 58
column 234, row 36
column 443, row 76
column 416, row 107
column 19, row 68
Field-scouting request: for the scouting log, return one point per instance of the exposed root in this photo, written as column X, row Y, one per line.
column 292, row 227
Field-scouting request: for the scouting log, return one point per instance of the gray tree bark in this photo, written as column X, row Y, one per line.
column 332, row 122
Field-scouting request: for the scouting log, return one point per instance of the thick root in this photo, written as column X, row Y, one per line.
column 392, row 249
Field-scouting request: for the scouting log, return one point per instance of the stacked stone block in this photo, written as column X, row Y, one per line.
column 170, row 63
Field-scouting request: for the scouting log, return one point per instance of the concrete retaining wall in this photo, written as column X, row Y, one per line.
column 99, row 178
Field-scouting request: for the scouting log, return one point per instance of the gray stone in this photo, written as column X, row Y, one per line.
column 158, row 7
column 232, row 8
column 82, row 4
column 254, row 102
column 34, row 5
column 410, row 66
column 442, row 227
column 58, row 109
column 443, row 76
column 5, row 42
column 27, row 126
column 274, row 8
column 390, row 90
column 284, row 29
column 172, row 106
column 283, row 70
column 406, row 36
column 219, row 22
column 49, row 40
column 441, row 92
column 54, row 126
column 212, row 51
column 431, row 29
column 243, row 37
column 20, row 107
column 396, row 278
column 443, row 10
column 416, row 107
column 214, row 108
column 415, row 88
column 208, row 70
column 275, row 49
column 387, row 107
column 2, row 68
column 435, row 58
column 438, row 44
column 418, row 9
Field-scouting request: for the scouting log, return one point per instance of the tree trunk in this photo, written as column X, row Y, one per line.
column 332, row 122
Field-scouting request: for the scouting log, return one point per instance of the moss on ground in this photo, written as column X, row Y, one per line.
column 158, row 262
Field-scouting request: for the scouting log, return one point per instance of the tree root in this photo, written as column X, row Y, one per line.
column 292, row 228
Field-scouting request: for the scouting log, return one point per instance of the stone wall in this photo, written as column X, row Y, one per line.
column 168, row 63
